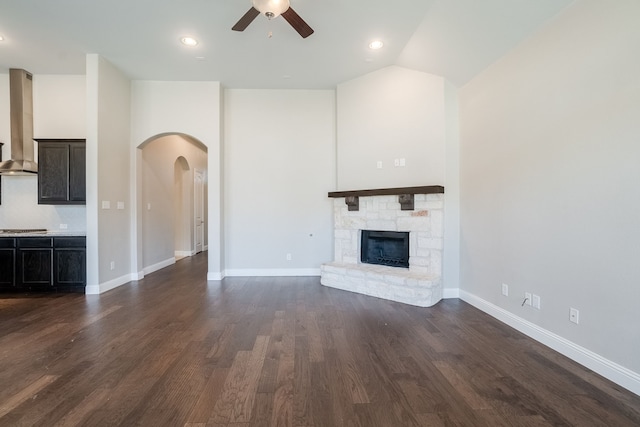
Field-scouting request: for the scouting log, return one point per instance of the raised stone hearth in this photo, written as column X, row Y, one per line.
column 381, row 210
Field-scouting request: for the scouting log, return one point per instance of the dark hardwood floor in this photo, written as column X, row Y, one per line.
column 173, row 350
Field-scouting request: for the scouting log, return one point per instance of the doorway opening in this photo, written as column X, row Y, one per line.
column 171, row 200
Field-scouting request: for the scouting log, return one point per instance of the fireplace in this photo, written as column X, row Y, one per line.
column 405, row 226
column 385, row 248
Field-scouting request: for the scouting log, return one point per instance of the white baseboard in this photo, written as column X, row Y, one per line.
column 183, row 254
column 216, row 275
column 159, row 265
column 254, row 272
column 449, row 293
column 122, row 280
column 618, row 374
column 111, row 284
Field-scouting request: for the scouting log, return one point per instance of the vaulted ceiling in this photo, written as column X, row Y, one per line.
column 456, row 39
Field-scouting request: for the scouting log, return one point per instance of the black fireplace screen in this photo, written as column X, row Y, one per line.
column 385, row 248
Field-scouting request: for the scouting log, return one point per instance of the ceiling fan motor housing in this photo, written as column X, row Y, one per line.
column 271, row 8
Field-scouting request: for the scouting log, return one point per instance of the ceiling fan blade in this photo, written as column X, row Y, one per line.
column 247, row 19
column 297, row 23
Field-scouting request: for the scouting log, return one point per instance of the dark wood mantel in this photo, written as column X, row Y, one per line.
column 405, row 195
column 425, row 189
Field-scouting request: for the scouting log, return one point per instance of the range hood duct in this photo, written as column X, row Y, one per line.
column 22, row 160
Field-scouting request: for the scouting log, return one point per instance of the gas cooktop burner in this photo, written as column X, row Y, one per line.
column 22, row 230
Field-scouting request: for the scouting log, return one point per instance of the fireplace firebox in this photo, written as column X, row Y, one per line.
column 390, row 248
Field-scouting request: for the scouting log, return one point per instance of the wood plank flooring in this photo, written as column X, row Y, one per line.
column 172, row 350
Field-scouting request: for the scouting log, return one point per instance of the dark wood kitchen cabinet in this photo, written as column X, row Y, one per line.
column 69, row 263
column 7, row 264
column 43, row 264
column 35, row 263
column 61, row 171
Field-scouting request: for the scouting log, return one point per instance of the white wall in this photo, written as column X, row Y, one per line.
column 108, row 176
column 59, row 106
column 390, row 114
column 158, row 192
column 451, row 248
column 194, row 109
column 279, row 167
column 58, row 112
column 549, row 182
column 5, row 121
column 397, row 113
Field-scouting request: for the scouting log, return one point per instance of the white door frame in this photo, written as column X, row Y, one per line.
column 198, row 210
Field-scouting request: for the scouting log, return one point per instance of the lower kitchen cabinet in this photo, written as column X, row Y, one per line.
column 7, row 264
column 69, row 262
column 35, row 263
column 35, row 268
column 43, row 264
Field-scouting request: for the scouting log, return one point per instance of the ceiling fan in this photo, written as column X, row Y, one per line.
column 272, row 9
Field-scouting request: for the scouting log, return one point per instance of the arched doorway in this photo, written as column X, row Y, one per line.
column 167, row 220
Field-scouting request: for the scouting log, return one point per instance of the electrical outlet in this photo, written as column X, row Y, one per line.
column 288, row 257
column 379, row 164
column 505, row 289
column 527, row 298
column 574, row 315
column 536, row 301
column 396, row 162
column 113, row 265
column 63, row 226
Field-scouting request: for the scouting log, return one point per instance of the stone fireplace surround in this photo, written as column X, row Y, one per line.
column 354, row 211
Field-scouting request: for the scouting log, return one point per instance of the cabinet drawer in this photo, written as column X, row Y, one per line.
column 7, row 242
column 35, row 242
column 70, row 242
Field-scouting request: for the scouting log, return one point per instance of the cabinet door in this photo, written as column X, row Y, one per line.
column 7, row 269
column 53, row 173
column 70, row 267
column 36, row 268
column 77, row 172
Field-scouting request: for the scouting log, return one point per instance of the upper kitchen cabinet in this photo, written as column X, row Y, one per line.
column 61, row 171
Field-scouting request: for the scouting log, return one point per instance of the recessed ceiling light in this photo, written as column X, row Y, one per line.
column 189, row 41
column 376, row 44
column 1, row 38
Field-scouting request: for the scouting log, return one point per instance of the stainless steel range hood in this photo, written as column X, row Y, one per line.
column 22, row 161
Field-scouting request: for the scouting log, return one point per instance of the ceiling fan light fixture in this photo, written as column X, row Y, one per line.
column 271, row 8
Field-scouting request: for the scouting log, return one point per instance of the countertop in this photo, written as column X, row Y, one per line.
column 47, row 233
